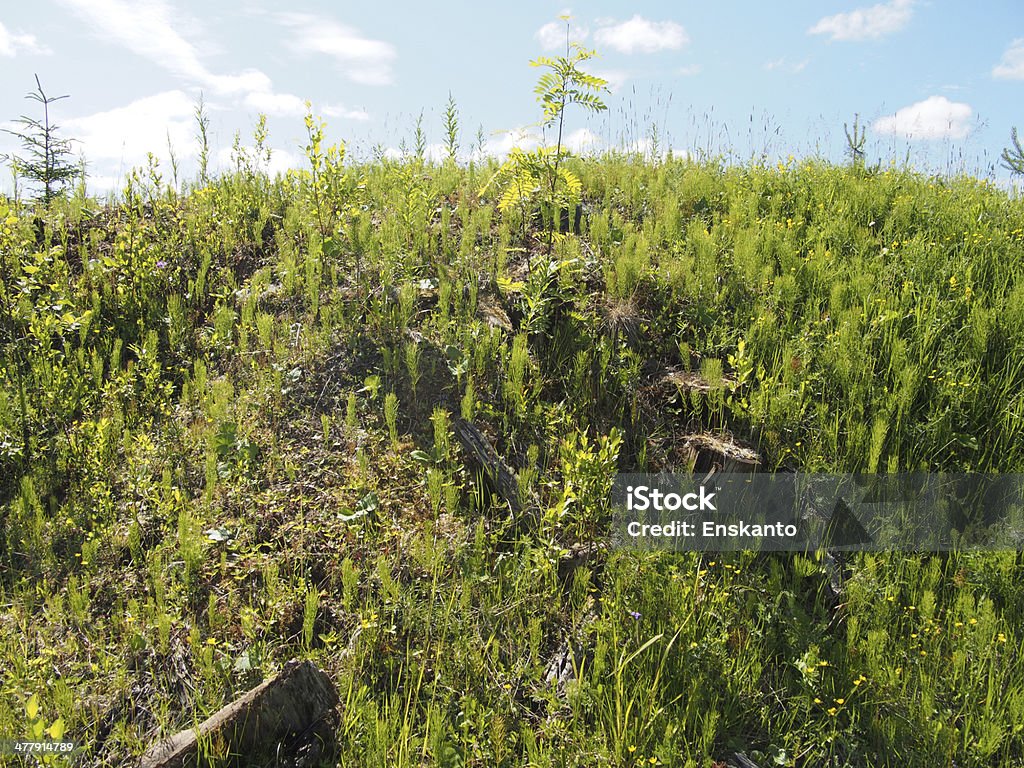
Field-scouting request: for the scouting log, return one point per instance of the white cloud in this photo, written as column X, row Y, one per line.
column 224, row 159
column 777, row 64
column 436, row 153
column 339, row 110
column 642, row 35
column 283, row 104
column 248, row 81
column 616, row 78
column 281, row 160
column 1011, row 66
column 866, row 23
column 523, row 138
column 11, row 43
column 362, row 60
column 147, row 29
column 645, row 147
column 581, row 140
column 934, row 118
column 552, row 35
column 103, row 183
column 127, row 134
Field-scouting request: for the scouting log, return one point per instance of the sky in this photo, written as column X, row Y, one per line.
column 936, row 83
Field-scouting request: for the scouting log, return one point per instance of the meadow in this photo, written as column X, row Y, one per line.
column 227, row 439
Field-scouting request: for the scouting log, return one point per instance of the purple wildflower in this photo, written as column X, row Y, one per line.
column 635, row 615
column 161, row 264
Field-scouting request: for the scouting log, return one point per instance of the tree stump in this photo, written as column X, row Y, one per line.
column 253, row 726
column 706, row 452
column 497, row 473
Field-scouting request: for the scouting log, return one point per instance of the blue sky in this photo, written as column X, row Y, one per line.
column 940, row 82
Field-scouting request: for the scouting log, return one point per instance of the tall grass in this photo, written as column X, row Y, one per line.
column 200, row 476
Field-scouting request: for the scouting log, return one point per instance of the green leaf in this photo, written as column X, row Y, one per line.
column 365, row 506
column 506, row 285
column 32, row 707
column 368, row 503
column 224, row 441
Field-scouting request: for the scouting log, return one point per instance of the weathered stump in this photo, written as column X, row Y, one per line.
column 497, row 473
column 707, row 452
column 252, row 727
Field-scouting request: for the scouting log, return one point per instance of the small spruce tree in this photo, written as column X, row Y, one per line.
column 47, row 160
column 855, row 142
column 1013, row 158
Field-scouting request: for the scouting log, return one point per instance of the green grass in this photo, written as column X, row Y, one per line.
column 225, row 441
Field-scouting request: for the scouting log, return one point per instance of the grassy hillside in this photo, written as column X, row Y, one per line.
column 226, row 440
